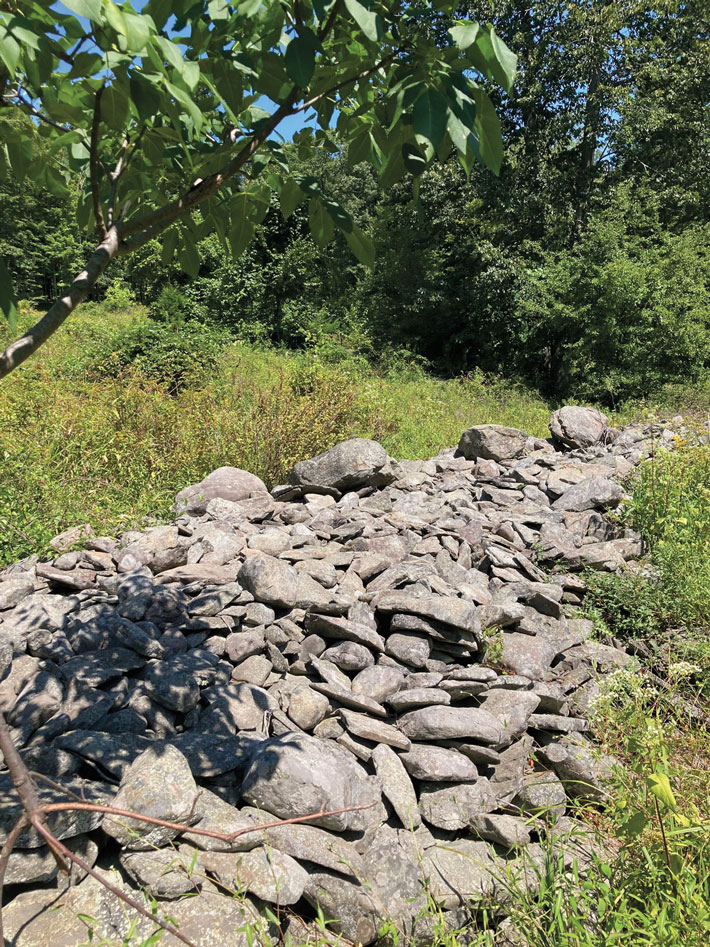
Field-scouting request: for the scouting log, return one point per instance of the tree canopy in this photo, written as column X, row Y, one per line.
column 155, row 113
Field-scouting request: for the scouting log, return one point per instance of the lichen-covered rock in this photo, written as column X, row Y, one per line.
column 158, row 784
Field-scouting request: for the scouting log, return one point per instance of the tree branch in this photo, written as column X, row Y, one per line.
column 94, row 163
column 142, row 229
column 16, row 353
column 329, row 23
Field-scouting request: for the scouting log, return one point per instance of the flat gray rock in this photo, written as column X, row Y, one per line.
column 415, row 697
column 269, row 875
column 452, row 807
column 367, row 728
column 225, row 483
column 446, row 723
column 448, row 610
column 595, row 493
column 343, row 629
column 397, row 786
column 378, row 683
column 438, row 764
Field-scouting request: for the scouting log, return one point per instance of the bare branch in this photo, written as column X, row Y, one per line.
column 29, row 107
column 94, row 163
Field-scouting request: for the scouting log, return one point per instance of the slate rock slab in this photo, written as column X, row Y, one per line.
column 446, row 723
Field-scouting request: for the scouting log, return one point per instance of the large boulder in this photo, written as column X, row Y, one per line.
column 225, row 483
column 492, row 442
column 348, row 466
column 577, row 427
column 296, row 775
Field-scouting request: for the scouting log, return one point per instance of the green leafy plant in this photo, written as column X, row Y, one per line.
column 161, row 124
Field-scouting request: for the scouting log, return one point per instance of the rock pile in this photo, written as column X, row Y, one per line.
column 383, row 639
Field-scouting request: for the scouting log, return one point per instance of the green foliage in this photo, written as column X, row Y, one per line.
column 146, row 111
column 170, row 355
column 671, row 507
column 171, row 307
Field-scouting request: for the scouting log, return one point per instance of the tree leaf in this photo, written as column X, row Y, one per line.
column 290, row 197
column 362, row 246
column 91, row 9
column 241, row 230
column 321, row 223
column 464, row 33
column 170, row 241
column 300, row 58
column 414, row 160
column 488, row 135
column 340, row 217
column 188, row 256
column 9, row 52
column 429, row 116
column 368, row 21
column 114, row 107
column 8, row 302
column 506, row 59
column 491, row 56
column 185, row 100
column 137, row 32
column 145, row 94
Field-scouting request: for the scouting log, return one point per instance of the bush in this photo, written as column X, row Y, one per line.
column 119, row 297
column 172, row 307
column 176, row 357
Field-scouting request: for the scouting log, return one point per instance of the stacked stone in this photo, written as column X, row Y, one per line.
column 399, row 642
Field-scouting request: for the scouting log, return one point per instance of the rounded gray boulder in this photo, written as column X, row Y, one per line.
column 225, row 483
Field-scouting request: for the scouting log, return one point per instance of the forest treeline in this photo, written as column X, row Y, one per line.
column 583, row 269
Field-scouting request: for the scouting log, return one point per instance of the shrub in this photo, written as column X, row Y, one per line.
column 118, row 296
column 172, row 307
column 176, row 357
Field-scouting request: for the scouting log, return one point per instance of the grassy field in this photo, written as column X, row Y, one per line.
column 116, row 415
